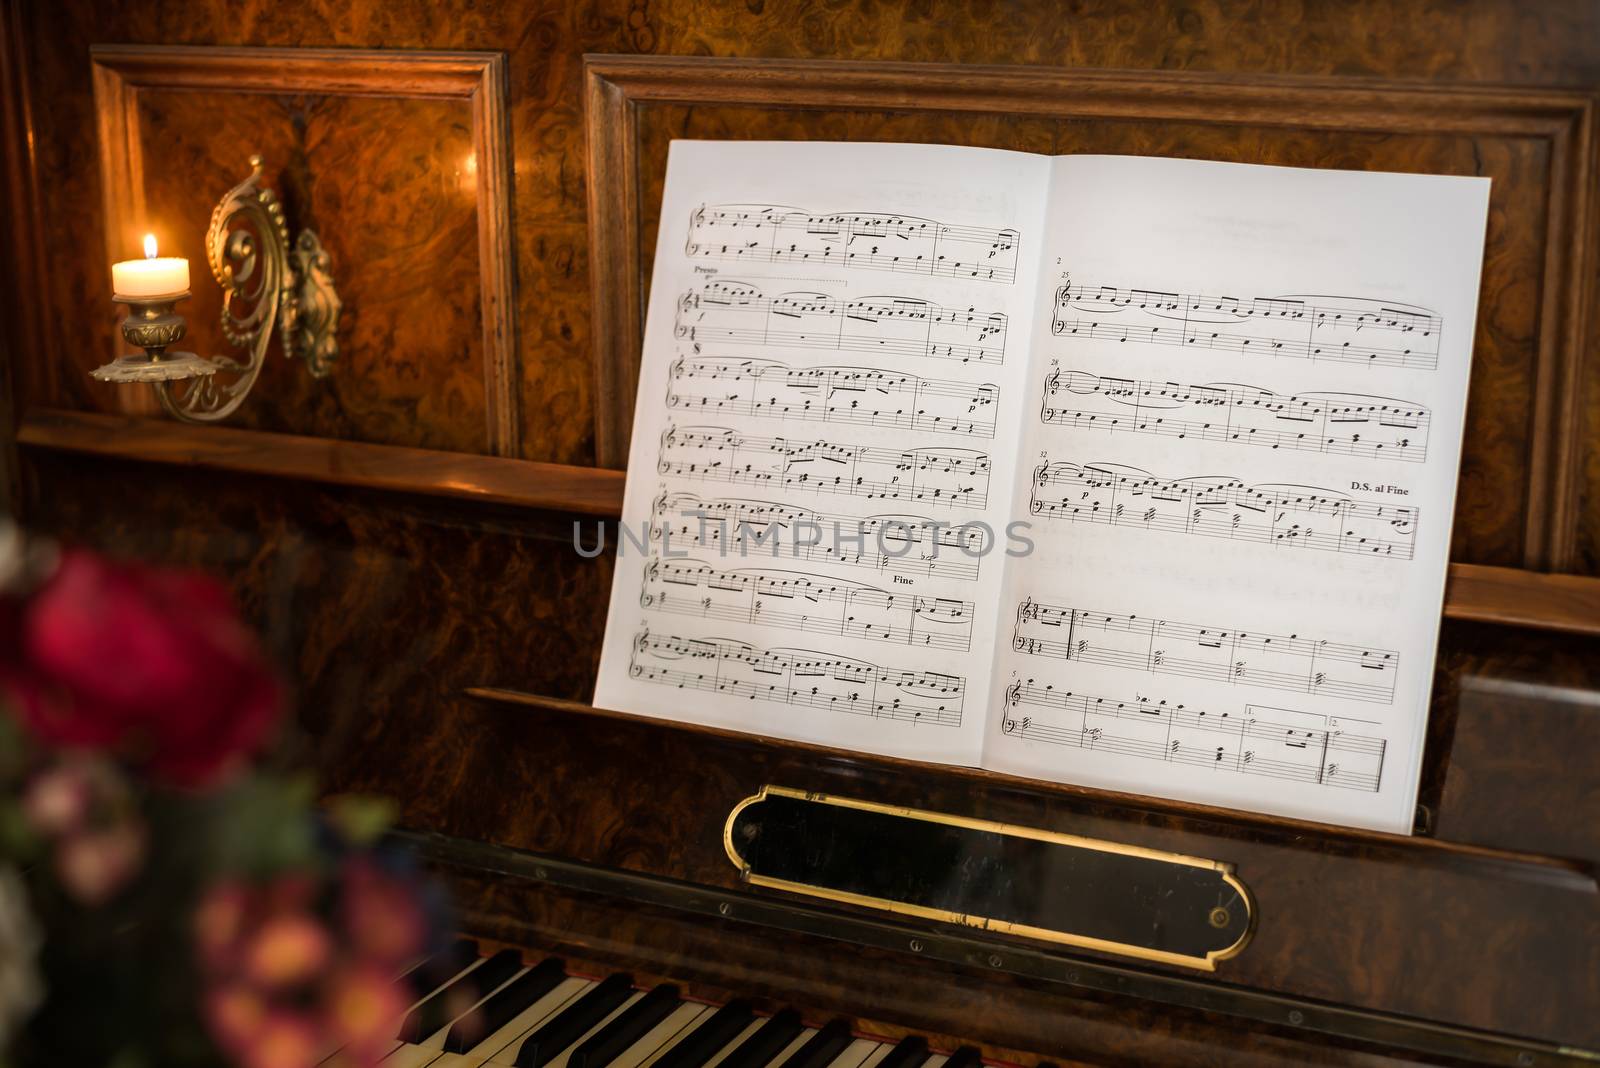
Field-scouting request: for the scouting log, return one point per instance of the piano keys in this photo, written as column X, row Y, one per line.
column 483, row 1012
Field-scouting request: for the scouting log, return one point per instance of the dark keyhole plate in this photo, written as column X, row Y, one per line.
column 998, row 877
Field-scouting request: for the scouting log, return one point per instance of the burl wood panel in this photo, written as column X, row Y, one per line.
column 1496, row 463
column 390, row 187
column 380, row 609
column 1487, row 41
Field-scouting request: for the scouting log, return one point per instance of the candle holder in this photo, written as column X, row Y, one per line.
column 152, row 325
column 266, row 281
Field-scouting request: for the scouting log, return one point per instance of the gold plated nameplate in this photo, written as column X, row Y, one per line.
column 999, row 877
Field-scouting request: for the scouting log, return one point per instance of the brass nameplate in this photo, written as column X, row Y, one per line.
column 1015, row 880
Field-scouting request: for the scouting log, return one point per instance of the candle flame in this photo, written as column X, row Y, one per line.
column 149, row 246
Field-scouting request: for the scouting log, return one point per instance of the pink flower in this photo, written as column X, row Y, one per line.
column 219, row 923
column 94, row 864
column 235, row 1014
column 153, row 664
column 59, row 799
column 382, row 914
column 284, row 1040
column 287, row 950
column 364, row 1007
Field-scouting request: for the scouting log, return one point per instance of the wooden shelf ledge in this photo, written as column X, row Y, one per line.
column 1503, row 595
column 490, row 479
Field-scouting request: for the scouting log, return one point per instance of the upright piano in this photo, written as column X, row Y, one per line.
column 620, row 883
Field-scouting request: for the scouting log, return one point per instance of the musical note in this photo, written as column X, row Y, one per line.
column 730, row 313
column 1350, row 329
column 1175, row 733
column 790, row 599
column 1341, row 424
column 955, row 477
column 1221, row 507
column 902, row 543
column 1168, row 647
column 861, row 396
column 769, row 233
column 801, row 677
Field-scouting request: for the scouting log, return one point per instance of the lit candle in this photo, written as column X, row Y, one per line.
column 153, row 276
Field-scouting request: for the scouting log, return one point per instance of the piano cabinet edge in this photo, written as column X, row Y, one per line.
column 1575, row 872
column 1332, row 902
column 1011, row 1020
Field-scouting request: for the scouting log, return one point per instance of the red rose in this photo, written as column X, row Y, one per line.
column 153, row 664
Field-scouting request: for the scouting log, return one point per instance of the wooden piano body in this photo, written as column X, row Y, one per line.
column 403, row 531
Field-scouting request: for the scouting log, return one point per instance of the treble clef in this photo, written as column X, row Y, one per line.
column 651, row 574
column 1052, row 383
column 1014, row 694
column 641, row 643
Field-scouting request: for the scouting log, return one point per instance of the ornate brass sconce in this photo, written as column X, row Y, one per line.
column 274, row 282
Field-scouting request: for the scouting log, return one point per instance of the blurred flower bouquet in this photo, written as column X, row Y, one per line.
column 164, row 898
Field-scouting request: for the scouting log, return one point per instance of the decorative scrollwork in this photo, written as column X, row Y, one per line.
column 316, row 318
column 264, row 284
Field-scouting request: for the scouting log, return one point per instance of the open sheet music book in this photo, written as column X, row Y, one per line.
column 1132, row 473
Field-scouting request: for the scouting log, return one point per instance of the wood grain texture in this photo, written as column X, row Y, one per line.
column 418, row 226
column 1518, row 738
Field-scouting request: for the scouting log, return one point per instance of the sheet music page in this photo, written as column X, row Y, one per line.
column 834, row 368
column 1240, row 450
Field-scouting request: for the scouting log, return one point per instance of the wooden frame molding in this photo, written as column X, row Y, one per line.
column 392, row 468
column 1502, row 595
column 121, row 71
column 616, row 87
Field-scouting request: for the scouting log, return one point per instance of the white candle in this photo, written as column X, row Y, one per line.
column 153, row 276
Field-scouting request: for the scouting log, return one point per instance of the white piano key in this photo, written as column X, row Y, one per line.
column 794, row 1047
column 566, row 1054
column 738, row 1040
column 935, row 1060
column 395, row 1025
column 501, row 1047
column 862, row 1053
column 421, row 1054
column 663, row 1036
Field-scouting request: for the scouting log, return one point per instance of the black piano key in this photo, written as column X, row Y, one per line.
column 966, row 1057
column 771, row 1039
column 820, row 1050
column 910, row 1052
column 615, row 1038
column 452, row 999
column 701, row 1044
column 574, row 1021
column 495, row 1013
